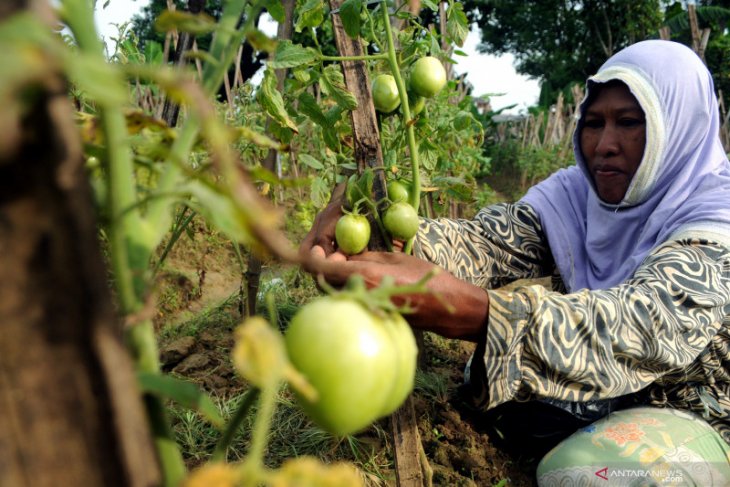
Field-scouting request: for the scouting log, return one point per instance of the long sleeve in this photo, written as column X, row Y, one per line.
column 666, row 330
column 503, row 243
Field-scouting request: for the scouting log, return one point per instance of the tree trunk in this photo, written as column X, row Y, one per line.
column 70, row 410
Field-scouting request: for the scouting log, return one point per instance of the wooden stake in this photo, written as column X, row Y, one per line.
column 407, row 448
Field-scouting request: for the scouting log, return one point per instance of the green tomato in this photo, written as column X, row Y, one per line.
column 416, row 103
column 352, row 233
column 352, row 357
column 401, row 220
column 397, row 191
column 428, row 77
column 407, row 360
column 385, row 93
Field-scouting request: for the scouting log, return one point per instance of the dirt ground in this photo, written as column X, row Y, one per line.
column 459, row 450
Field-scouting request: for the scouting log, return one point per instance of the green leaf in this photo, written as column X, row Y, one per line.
column 332, row 83
column 272, row 101
column 311, row 14
column 182, row 392
column 319, row 192
column 428, row 154
column 310, row 161
column 303, row 75
column 334, row 114
column 308, row 106
column 350, row 16
column 454, row 187
column 329, row 134
column 457, row 25
column 430, row 4
column 289, row 55
column 275, row 9
column 197, row 24
column 284, row 134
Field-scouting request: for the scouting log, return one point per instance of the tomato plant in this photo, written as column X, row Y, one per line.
column 362, row 364
column 428, row 77
column 352, row 233
column 401, row 220
column 385, row 93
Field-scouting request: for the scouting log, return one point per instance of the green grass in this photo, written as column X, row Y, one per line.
column 292, row 435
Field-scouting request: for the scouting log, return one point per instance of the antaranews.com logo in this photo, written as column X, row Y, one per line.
column 661, row 476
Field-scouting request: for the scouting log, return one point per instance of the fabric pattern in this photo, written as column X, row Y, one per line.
column 663, row 335
column 642, row 446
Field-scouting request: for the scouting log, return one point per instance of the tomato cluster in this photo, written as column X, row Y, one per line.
column 362, row 364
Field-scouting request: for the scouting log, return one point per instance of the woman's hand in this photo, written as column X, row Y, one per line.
column 322, row 233
column 452, row 308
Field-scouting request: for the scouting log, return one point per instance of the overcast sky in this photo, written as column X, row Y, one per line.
column 490, row 75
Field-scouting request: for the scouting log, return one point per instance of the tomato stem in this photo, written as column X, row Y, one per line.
column 410, row 133
column 247, row 400
column 259, row 434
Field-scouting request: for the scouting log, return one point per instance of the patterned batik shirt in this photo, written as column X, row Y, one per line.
column 663, row 336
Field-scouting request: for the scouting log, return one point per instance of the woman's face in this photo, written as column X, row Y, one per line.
column 612, row 140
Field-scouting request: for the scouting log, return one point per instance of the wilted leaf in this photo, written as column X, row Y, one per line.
column 259, row 354
column 272, row 101
column 333, row 84
column 311, row 14
column 260, row 41
column 259, row 138
column 289, row 55
column 197, row 24
column 457, row 25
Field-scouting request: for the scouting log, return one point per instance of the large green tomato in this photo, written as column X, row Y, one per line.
column 428, row 76
column 397, row 191
column 361, row 364
column 401, row 220
column 352, row 233
column 407, row 348
column 385, row 93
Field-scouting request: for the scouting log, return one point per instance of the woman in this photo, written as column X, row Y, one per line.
column 636, row 331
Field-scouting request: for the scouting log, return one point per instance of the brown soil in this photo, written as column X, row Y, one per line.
column 459, row 451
